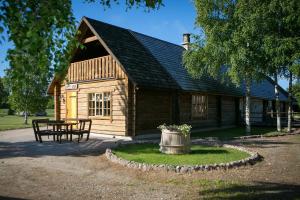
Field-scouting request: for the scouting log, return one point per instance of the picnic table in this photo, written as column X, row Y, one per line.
column 57, row 127
column 62, row 127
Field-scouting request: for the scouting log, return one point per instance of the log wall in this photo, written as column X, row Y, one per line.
column 152, row 109
column 117, row 123
column 186, row 112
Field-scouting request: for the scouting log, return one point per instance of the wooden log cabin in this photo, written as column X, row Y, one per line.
column 129, row 83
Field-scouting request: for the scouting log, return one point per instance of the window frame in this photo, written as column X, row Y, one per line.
column 104, row 109
column 202, row 113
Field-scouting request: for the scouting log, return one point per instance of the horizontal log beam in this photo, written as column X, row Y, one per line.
column 89, row 39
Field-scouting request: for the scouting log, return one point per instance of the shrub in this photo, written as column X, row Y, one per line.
column 183, row 129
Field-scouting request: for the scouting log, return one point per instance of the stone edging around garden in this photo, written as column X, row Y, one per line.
column 252, row 159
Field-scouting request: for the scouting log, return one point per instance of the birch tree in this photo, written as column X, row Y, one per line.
column 232, row 38
column 281, row 44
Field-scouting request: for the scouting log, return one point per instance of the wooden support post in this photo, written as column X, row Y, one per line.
column 175, row 108
column 237, row 111
column 57, row 93
column 219, row 111
column 265, row 105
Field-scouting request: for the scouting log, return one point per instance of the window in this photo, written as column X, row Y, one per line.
column 199, row 106
column 99, row 104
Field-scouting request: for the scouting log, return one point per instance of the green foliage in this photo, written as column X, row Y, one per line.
column 183, row 129
column 231, row 37
column 296, row 92
column 40, row 31
column 50, row 104
column 3, row 93
column 281, row 41
column 149, row 153
column 148, row 4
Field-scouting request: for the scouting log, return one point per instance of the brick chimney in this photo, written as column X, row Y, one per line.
column 186, row 41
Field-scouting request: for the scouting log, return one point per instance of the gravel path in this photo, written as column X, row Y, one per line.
column 29, row 170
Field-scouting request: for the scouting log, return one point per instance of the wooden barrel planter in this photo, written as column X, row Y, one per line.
column 174, row 142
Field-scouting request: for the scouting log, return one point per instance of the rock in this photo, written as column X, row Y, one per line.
column 161, row 166
column 145, row 168
column 184, row 169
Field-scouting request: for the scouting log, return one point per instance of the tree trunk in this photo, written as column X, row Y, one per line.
column 277, row 105
column 26, row 117
column 247, row 107
column 290, row 103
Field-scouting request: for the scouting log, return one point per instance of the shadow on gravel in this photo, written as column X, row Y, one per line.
column 93, row 147
column 260, row 190
column 10, row 198
column 265, row 143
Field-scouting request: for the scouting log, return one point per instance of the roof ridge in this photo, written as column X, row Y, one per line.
column 105, row 23
column 133, row 31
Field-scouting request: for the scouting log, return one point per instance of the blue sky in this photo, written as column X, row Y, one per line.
column 168, row 23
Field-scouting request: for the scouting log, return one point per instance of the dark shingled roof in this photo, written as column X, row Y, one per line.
column 265, row 90
column 170, row 57
column 154, row 63
column 138, row 62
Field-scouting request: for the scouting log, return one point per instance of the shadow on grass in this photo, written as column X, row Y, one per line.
column 209, row 151
column 230, row 133
column 154, row 149
column 260, row 190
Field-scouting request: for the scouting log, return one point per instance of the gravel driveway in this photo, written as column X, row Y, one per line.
column 29, row 170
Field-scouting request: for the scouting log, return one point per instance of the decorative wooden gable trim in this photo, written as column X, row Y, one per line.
column 119, row 70
column 90, row 39
column 107, row 48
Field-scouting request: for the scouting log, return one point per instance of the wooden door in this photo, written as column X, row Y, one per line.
column 71, row 105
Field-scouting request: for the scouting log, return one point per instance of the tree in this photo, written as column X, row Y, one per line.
column 232, row 38
column 39, row 35
column 3, row 93
column 281, row 44
column 50, row 104
column 296, row 92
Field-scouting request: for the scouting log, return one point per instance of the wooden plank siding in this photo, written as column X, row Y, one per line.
column 152, row 109
column 134, row 111
column 104, row 67
column 227, row 110
column 155, row 107
column 99, row 75
column 186, row 112
column 114, row 125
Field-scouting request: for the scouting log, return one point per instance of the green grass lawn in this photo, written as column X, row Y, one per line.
column 3, row 112
column 149, row 153
column 8, row 122
column 236, row 132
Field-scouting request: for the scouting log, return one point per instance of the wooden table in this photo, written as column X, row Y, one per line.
column 58, row 124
